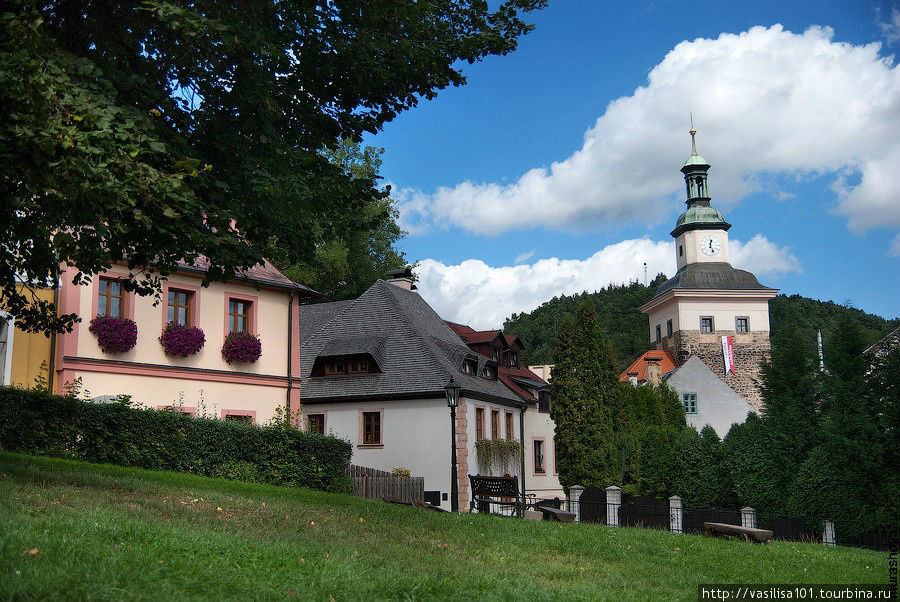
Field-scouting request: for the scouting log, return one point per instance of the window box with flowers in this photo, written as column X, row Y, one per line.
column 241, row 347
column 114, row 335
column 178, row 339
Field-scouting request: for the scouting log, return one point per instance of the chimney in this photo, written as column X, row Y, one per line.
column 654, row 373
column 402, row 278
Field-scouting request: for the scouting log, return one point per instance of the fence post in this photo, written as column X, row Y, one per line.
column 613, row 502
column 828, row 533
column 676, row 514
column 748, row 517
column 575, row 492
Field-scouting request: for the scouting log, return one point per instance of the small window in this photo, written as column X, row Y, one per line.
column 487, row 372
column 668, row 328
column 180, row 307
column 658, row 333
column 742, row 325
column 681, row 250
column 479, row 424
column 335, row 368
column 706, row 324
column 111, row 298
column 239, row 418
column 495, row 353
column 238, row 316
column 538, row 456
column 359, row 366
column 470, row 366
column 315, row 423
column 495, row 424
column 514, row 359
column 510, row 429
column 371, row 428
column 689, row 401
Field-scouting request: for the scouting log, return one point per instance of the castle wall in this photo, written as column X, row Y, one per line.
column 750, row 351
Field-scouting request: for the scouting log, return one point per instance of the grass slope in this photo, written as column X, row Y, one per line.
column 76, row 530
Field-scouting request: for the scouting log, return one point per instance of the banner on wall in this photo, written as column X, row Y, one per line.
column 728, row 353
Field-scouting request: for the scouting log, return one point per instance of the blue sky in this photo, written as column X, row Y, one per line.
column 801, row 128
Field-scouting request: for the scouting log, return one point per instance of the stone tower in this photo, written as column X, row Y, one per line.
column 707, row 299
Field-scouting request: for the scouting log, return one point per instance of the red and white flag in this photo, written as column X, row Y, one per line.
column 728, row 353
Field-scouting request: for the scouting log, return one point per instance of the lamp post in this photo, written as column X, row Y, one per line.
column 452, row 391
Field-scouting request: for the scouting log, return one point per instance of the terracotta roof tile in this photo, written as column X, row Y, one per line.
column 639, row 367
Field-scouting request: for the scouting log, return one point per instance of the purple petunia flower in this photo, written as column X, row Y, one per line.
column 178, row 339
column 241, row 347
column 115, row 335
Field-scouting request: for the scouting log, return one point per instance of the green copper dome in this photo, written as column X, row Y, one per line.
column 695, row 159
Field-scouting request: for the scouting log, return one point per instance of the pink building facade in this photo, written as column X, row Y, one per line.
column 263, row 303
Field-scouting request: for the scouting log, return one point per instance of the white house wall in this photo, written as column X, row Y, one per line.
column 539, row 425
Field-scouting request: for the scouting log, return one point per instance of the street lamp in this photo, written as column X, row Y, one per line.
column 452, row 391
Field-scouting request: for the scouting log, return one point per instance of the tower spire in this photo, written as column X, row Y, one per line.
column 693, row 133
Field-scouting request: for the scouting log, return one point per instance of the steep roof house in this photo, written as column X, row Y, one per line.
column 374, row 371
column 540, row 458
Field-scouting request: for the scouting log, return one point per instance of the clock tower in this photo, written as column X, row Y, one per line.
column 708, row 300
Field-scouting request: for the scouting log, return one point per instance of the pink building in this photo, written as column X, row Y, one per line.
column 263, row 303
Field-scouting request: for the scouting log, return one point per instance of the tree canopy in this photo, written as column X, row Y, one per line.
column 155, row 132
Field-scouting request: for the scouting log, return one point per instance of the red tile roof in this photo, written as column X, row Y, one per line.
column 507, row 376
column 639, row 368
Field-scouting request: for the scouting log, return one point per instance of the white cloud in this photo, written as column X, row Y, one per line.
column 523, row 257
column 890, row 28
column 894, row 251
column 766, row 101
column 760, row 256
column 474, row 293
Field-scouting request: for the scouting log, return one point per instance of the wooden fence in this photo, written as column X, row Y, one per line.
column 379, row 484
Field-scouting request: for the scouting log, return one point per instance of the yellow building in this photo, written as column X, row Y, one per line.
column 25, row 357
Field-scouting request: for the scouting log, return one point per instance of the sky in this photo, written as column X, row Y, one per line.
column 555, row 169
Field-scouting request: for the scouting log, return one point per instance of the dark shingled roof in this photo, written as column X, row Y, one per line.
column 713, row 275
column 417, row 352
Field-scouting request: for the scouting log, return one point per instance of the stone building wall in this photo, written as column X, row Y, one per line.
column 750, row 351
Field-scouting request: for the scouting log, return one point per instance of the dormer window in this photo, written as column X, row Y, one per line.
column 343, row 365
column 495, row 353
column 488, row 373
column 514, row 359
column 470, row 366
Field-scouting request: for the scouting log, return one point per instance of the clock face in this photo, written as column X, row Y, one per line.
column 710, row 245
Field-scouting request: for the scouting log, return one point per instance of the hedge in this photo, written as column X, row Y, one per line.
column 37, row 423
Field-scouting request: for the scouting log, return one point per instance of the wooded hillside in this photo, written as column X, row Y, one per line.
column 627, row 330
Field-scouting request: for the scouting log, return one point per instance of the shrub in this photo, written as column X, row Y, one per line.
column 115, row 335
column 241, row 347
column 36, row 422
column 178, row 339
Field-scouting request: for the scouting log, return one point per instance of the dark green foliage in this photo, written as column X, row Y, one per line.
column 141, row 132
column 749, row 456
column 38, row 423
column 582, row 389
column 702, row 478
column 625, row 327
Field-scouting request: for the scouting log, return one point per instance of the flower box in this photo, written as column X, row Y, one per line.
column 178, row 339
column 241, row 347
column 114, row 335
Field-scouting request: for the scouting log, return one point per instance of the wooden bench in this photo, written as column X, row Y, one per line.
column 499, row 491
column 743, row 533
column 556, row 514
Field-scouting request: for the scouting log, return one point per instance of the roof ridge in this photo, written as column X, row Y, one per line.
column 397, row 310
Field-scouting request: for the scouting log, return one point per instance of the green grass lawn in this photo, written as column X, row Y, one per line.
column 77, row 530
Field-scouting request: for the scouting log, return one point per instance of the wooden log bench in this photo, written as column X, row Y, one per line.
column 742, row 533
column 556, row 514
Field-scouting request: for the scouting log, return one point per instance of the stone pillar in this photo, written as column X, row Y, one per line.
column 575, row 492
column 676, row 514
column 613, row 503
column 828, row 533
column 748, row 517
column 462, row 455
